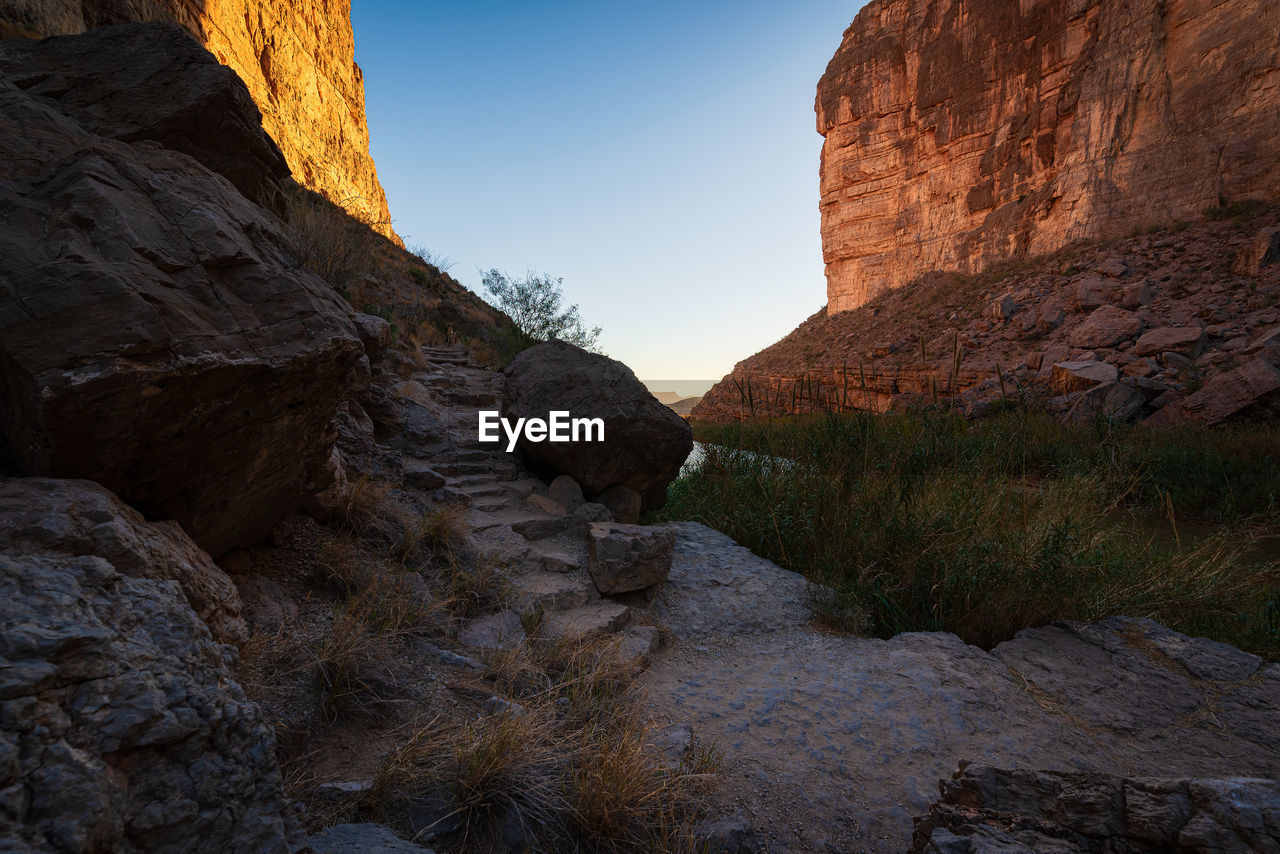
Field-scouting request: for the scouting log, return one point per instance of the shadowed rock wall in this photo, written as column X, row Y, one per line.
column 297, row 58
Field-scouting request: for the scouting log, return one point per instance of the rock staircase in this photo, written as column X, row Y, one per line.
column 542, row 552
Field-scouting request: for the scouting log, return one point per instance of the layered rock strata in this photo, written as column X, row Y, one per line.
column 297, row 60
column 959, row 133
column 149, row 311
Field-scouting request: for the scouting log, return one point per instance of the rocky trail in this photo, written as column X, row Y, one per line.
column 539, row 540
column 834, row 742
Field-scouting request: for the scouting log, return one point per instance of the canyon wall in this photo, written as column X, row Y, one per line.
column 959, row 132
column 297, row 59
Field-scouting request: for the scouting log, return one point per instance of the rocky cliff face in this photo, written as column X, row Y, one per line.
column 297, row 59
column 961, row 132
column 149, row 310
column 1176, row 323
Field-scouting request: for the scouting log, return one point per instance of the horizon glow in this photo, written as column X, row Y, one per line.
column 662, row 158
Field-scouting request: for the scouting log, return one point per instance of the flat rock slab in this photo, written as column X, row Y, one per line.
column 836, row 742
column 718, row 587
column 596, row 618
column 362, row 839
column 502, row 630
column 552, row 592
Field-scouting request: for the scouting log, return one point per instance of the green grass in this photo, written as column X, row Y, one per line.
column 923, row 521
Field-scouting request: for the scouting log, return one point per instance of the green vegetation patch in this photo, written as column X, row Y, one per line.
column 922, row 521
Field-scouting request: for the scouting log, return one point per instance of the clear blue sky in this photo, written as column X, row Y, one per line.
column 661, row 157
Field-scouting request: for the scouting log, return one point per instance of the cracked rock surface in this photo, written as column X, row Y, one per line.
column 835, row 742
column 121, row 726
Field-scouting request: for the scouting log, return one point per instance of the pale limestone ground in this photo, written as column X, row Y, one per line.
column 834, row 743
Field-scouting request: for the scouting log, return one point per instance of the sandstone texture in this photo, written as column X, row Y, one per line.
column 958, row 134
column 1165, row 314
column 835, row 743
column 121, row 725
column 297, row 60
column 645, row 443
column 76, row 518
column 182, row 361
column 986, row 810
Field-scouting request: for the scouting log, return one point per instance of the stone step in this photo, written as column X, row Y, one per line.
column 528, row 524
column 467, row 455
column 552, row 593
column 455, row 469
column 482, row 489
column 453, row 495
column 602, row 617
column 472, row 398
column 466, row 480
column 489, row 504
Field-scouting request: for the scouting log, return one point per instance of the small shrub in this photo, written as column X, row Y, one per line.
column 1239, row 209
column 535, row 305
column 440, row 263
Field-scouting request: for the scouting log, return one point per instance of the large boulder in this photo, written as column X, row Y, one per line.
column 1066, row 377
column 1262, row 251
column 1185, row 340
column 1105, row 327
column 155, row 335
column 119, row 82
column 75, row 518
column 1249, row 391
column 121, row 725
column 645, row 443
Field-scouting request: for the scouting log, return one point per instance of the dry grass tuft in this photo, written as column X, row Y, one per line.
column 443, row 529
column 365, row 505
column 571, row 758
column 342, row 661
column 340, row 566
column 473, row 588
column 362, row 638
column 328, row 240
